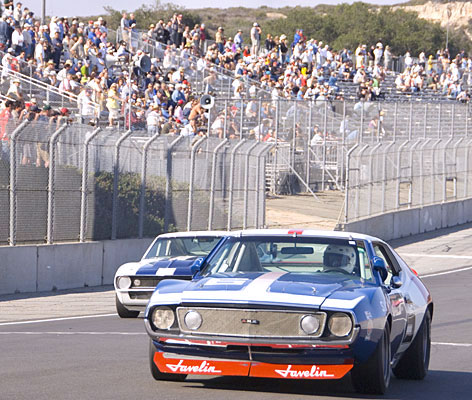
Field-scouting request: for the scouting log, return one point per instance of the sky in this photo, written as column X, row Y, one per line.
column 95, row 7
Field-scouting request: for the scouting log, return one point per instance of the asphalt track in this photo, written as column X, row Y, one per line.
column 103, row 357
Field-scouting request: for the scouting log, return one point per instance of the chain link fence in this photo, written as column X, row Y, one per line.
column 388, row 177
column 74, row 182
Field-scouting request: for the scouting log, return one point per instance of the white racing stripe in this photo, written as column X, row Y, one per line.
column 446, row 272
column 37, row 321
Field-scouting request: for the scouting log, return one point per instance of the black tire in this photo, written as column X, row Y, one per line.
column 414, row 363
column 156, row 373
column 374, row 375
column 123, row 312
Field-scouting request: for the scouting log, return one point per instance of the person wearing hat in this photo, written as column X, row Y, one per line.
column 256, row 32
column 238, row 39
column 152, row 120
column 220, row 39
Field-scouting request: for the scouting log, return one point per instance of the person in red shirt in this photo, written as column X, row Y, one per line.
column 5, row 116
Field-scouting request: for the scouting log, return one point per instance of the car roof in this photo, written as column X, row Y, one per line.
column 306, row 233
column 193, row 234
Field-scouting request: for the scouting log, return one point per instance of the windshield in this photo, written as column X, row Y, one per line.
column 309, row 255
column 182, row 246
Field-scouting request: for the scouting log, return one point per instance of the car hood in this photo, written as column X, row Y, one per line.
column 264, row 288
column 160, row 266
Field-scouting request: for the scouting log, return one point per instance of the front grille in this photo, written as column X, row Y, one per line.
column 140, row 295
column 249, row 323
column 150, row 282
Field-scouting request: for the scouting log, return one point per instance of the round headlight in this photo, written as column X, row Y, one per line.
column 123, row 282
column 163, row 318
column 137, row 282
column 340, row 324
column 310, row 324
column 193, row 320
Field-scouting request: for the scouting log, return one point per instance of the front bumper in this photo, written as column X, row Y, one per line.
column 269, row 361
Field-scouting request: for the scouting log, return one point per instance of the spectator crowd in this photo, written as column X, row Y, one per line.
column 77, row 58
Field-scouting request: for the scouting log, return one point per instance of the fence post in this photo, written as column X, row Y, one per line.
column 13, row 138
column 384, row 175
column 212, row 183
column 308, row 142
column 52, row 168
column 246, row 183
column 360, row 137
column 143, row 184
column 225, row 125
column 439, row 120
column 410, row 121
column 445, row 169
column 83, row 199
column 116, row 173
column 346, row 199
column 241, row 123
column 191, row 184
column 371, row 172
column 452, row 118
column 432, row 170
column 395, row 122
column 231, row 181
column 422, row 170
column 399, row 169
column 169, row 182
column 325, row 133
column 425, row 120
column 259, row 155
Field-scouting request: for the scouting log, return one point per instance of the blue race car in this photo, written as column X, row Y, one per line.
column 170, row 255
column 294, row 304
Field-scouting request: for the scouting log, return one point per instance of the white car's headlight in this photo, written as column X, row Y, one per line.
column 163, row 317
column 123, row 282
column 310, row 324
column 340, row 324
column 193, row 320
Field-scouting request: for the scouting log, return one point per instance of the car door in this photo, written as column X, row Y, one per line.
column 396, row 296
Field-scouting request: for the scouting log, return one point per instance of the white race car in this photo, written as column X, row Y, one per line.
column 170, row 255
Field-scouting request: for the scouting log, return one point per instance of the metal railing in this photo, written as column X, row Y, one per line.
column 387, row 177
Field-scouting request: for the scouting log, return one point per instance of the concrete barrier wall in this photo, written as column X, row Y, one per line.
column 39, row 268
column 414, row 221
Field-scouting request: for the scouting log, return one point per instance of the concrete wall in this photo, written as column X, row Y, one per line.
column 39, row 268
column 413, row 221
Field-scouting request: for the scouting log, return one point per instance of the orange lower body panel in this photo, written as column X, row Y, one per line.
column 249, row 368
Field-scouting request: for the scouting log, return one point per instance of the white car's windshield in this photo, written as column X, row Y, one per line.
column 182, row 246
column 309, row 255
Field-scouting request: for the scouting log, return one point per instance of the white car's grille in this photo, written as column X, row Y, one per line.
column 250, row 323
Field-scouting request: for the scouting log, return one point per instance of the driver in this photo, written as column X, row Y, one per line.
column 337, row 257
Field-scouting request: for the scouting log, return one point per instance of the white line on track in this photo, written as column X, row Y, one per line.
column 437, row 256
column 452, row 344
column 76, row 333
column 446, row 272
column 37, row 321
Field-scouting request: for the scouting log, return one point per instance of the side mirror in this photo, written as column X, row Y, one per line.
column 381, row 267
column 396, row 282
column 196, row 266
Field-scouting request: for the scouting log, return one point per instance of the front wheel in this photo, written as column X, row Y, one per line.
column 156, row 373
column 374, row 375
column 123, row 312
column 414, row 363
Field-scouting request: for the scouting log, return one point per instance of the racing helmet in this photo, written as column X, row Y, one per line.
column 339, row 257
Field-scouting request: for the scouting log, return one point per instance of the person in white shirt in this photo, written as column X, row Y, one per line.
column 17, row 40
column 190, row 129
column 152, row 120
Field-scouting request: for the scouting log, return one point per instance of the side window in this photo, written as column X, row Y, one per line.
column 382, row 253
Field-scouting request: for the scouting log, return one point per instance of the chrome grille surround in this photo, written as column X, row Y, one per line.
column 248, row 323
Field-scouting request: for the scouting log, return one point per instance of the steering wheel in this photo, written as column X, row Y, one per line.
column 336, row 270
